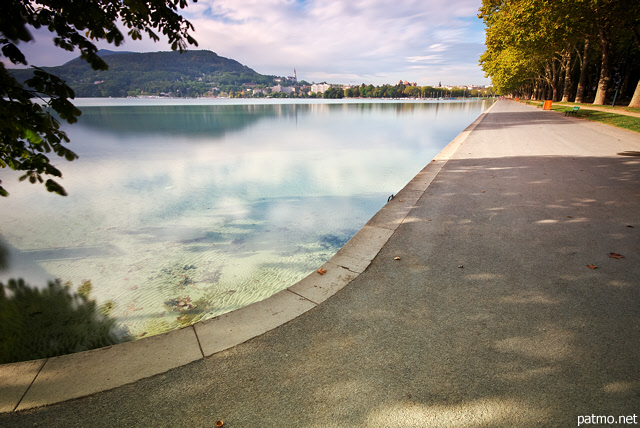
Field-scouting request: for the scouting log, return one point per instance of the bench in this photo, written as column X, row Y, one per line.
column 572, row 112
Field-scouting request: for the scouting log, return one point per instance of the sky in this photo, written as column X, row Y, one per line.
column 337, row 41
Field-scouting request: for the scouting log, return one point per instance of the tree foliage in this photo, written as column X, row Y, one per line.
column 560, row 49
column 29, row 132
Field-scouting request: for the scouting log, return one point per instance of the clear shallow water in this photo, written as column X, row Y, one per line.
column 179, row 213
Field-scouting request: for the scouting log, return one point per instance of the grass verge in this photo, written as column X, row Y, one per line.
column 609, row 118
column 608, row 107
column 627, row 122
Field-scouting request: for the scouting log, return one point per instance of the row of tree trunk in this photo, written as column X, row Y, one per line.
column 558, row 73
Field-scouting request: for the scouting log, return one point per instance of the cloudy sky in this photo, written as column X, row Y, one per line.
column 338, row 41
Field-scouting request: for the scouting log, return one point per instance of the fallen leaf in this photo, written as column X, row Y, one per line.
column 592, row 266
column 616, row 256
column 569, row 216
column 322, row 271
column 631, row 227
column 219, row 423
column 397, row 258
column 482, row 191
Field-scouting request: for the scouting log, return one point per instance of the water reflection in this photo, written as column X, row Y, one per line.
column 179, row 213
column 216, row 120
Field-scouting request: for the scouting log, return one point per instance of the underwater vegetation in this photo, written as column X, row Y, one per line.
column 40, row 323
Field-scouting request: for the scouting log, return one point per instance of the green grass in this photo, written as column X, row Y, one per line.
column 621, row 121
column 627, row 122
column 606, row 106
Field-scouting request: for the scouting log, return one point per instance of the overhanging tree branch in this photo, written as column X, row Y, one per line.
column 28, row 131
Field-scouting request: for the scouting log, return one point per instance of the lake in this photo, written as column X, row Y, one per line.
column 182, row 210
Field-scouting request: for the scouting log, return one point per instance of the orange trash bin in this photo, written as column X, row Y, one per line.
column 547, row 105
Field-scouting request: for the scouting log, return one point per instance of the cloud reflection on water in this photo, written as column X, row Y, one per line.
column 207, row 208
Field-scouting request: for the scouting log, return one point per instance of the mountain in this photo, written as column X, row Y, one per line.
column 106, row 52
column 192, row 73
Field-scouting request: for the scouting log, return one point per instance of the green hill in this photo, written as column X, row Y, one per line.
column 192, row 73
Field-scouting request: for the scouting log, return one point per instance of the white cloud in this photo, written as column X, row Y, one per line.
column 430, row 58
column 361, row 40
column 437, row 47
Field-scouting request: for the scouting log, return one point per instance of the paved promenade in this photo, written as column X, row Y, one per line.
column 491, row 317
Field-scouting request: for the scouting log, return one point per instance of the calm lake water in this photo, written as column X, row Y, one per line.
column 180, row 210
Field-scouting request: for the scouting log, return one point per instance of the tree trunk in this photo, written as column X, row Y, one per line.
column 548, row 80
column 605, row 69
column 554, row 80
column 625, row 80
column 551, row 76
column 583, row 73
column 635, row 101
column 539, row 90
column 547, row 91
column 566, row 93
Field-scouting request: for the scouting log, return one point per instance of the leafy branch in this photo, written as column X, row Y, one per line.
column 28, row 130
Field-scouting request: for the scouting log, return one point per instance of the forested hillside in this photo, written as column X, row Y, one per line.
column 192, row 73
column 582, row 50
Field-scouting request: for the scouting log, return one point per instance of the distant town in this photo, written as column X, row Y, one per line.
column 290, row 87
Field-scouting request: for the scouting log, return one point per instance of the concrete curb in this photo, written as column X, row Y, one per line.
column 30, row 384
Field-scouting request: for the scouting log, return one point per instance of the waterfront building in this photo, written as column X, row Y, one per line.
column 319, row 88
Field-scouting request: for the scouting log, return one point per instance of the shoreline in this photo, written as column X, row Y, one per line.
column 36, row 383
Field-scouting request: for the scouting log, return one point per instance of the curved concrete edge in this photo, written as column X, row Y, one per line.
column 31, row 384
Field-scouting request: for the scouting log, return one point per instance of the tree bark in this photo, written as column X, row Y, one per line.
column 554, row 80
column 566, row 93
column 605, row 68
column 583, row 73
column 549, row 76
column 635, row 101
column 625, row 80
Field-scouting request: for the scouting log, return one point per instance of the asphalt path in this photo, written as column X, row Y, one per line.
column 515, row 302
